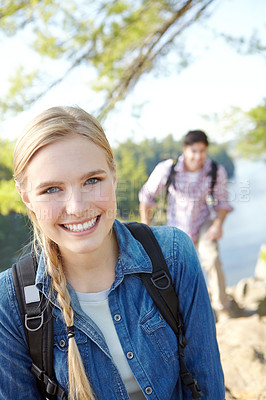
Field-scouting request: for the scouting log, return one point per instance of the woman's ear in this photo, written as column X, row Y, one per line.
column 24, row 196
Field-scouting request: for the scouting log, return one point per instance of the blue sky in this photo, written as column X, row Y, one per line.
column 216, row 80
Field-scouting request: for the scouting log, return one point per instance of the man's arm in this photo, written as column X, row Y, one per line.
column 215, row 231
column 223, row 207
column 152, row 188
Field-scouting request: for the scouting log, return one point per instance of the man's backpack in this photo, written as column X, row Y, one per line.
column 38, row 322
column 210, row 199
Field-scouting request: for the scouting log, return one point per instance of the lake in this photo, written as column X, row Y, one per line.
column 245, row 228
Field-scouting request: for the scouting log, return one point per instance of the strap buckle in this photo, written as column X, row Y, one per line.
column 192, row 384
column 50, row 385
column 157, row 277
column 28, row 321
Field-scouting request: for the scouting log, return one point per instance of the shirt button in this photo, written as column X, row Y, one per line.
column 130, row 355
column 62, row 343
column 148, row 390
column 117, row 317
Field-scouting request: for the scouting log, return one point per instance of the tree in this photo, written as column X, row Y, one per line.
column 219, row 154
column 131, row 175
column 14, row 233
column 9, row 198
column 135, row 162
column 252, row 45
column 254, row 141
column 120, row 39
column 14, row 238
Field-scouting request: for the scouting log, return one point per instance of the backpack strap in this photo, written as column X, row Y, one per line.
column 210, row 199
column 212, row 173
column 170, row 180
column 36, row 315
column 160, row 287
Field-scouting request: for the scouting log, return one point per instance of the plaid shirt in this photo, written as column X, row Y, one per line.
column 187, row 207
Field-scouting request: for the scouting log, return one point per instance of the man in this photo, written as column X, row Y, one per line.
column 190, row 209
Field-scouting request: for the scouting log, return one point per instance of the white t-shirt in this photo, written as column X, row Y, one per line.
column 95, row 305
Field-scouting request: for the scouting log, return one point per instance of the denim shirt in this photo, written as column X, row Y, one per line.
column 148, row 342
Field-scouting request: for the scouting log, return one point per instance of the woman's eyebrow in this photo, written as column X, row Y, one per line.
column 94, row 172
column 58, row 183
column 48, row 183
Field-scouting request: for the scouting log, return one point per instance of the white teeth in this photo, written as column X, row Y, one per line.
column 81, row 227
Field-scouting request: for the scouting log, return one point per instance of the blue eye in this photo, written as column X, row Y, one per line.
column 52, row 190
column 92, row 181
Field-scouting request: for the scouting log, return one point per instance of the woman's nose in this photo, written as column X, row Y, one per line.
column 75, row 203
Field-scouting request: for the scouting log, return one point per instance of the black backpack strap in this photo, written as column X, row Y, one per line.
column 159, row 286
column 213, row 175
column 210, row 198
column 170, row 180
column 37, row 321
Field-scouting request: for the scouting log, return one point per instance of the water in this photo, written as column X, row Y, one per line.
column 245, row 228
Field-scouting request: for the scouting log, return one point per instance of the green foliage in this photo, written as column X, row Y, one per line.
column 220, row 155
column 262, row 255
column 247, row 46
column 254, row 142
column 9, row 198
column 6, row 159
column 135, row 162
column 14, row 236
column 16, row 96
column 131, row 175
column 120, row 39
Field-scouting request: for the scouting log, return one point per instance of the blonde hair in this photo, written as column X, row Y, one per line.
column 53, row 125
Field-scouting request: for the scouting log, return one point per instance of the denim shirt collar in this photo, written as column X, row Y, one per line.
column 132, row 259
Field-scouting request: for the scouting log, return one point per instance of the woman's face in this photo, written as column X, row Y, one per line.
column 71, row 190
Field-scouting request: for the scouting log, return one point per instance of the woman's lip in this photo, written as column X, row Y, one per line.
column 81, row 232
column 79, row 222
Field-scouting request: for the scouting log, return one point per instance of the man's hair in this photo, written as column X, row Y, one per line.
column 195, row 137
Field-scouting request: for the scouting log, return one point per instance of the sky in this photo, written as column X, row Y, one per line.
column 217, row 79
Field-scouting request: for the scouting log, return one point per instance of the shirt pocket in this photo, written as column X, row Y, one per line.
column 160, row 334
column 61, row 340
column 61, row 354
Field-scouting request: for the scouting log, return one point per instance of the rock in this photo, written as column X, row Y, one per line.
column 243, row 354
column 262, row 308
column 249, row 292
column 242, row 341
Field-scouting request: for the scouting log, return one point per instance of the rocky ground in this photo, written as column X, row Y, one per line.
column 242, row 344
column 242, row 340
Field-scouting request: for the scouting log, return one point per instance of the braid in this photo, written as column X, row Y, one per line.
column 79, row 386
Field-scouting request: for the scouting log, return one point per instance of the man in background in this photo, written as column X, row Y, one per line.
column 196, row 190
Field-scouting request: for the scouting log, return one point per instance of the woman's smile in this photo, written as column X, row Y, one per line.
column 78, row 227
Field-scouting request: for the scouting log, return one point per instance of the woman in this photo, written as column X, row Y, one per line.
column 119, row 346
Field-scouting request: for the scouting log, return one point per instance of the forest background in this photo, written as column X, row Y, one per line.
column 116, row 44
column 135, row 161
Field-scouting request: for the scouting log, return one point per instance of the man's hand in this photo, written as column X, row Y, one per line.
column 215, row 231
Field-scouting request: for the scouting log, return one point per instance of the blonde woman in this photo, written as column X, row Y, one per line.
column 110, row 341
